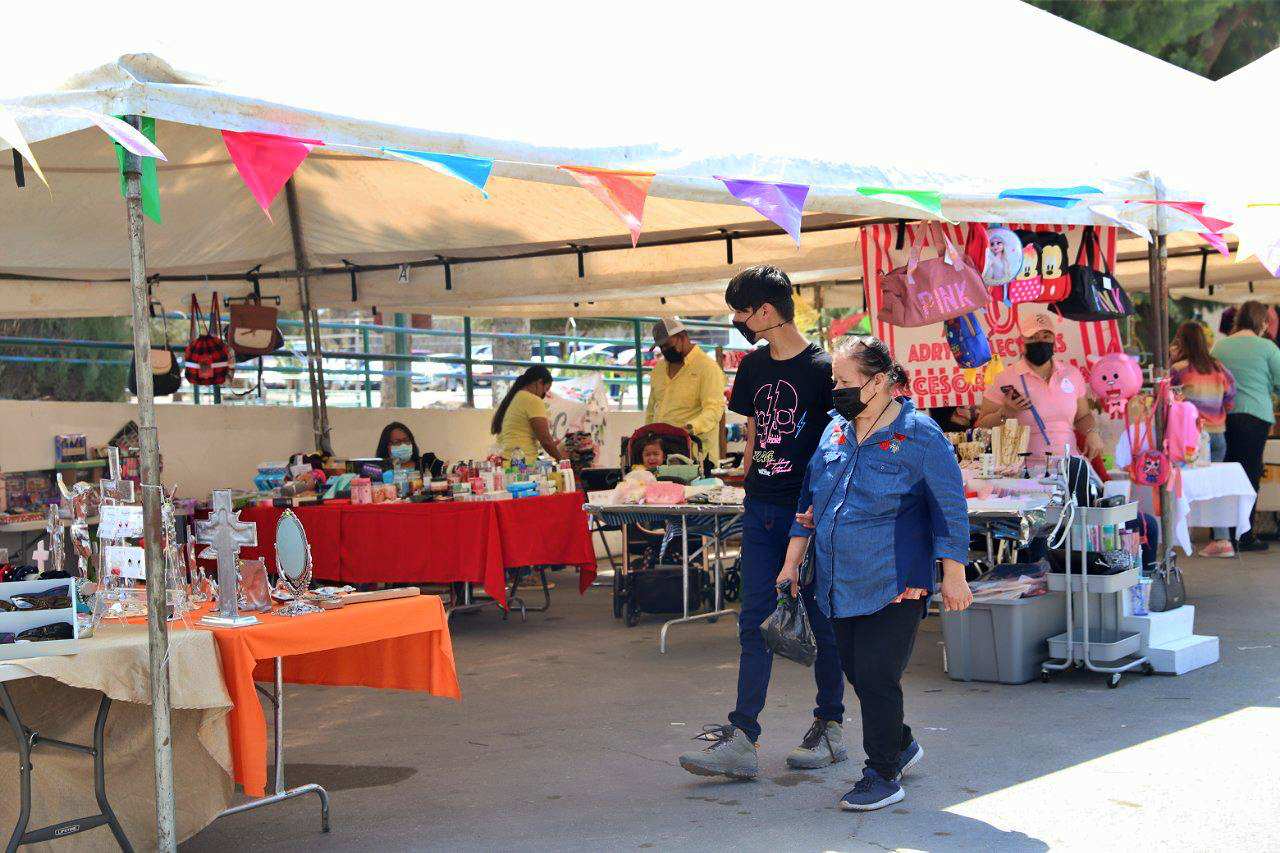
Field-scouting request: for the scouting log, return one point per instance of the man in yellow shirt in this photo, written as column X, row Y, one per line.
column 687, row 387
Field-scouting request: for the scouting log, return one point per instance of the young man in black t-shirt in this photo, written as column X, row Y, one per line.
column 784, row 391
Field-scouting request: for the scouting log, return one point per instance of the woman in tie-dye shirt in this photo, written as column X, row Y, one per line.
column 1207, row 384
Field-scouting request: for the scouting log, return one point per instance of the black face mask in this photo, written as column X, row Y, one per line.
column 672, row 355
column 848, row 401
column 1038, row 352
column 749, row 333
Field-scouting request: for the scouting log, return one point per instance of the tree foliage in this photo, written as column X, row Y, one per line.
column 94, row 380
column 1210, row 37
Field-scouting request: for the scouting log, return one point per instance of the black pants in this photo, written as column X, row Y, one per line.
column 1246, row 441
column 874, row 651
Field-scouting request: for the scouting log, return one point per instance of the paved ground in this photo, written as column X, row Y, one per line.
column 569, row 727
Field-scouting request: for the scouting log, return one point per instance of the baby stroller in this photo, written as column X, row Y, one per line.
column 646, row 547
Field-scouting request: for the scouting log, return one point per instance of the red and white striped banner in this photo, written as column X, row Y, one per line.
column 935, row 378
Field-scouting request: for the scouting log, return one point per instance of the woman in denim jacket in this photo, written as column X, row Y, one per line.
column 883, row 502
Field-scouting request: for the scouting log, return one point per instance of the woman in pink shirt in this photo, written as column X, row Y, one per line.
column 1039, row 385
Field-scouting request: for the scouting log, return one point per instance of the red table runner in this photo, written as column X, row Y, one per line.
column 437, row 543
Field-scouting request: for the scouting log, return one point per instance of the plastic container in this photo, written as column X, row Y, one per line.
column 1105, row 645
column 1004, row 640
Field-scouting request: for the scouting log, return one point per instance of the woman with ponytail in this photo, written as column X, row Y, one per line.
column 882, row 502
column 520, row 421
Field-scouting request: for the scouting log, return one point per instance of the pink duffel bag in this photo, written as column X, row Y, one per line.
column 932, row 290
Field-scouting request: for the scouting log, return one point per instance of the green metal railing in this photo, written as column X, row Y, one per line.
column 398, row 364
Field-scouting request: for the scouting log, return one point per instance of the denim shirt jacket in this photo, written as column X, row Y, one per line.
column 884, row 511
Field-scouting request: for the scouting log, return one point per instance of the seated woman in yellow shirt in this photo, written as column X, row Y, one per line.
column 520, row 421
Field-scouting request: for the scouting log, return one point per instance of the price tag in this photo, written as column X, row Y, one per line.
column 119, row 521
column 125, row 561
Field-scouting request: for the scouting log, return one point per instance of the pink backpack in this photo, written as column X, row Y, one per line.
column 1182, row 432
column 933, row 290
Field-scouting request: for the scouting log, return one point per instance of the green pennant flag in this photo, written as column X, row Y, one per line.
column 150, row 183
column 929, row 201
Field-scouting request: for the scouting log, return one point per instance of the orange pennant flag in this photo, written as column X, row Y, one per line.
column 622, row 192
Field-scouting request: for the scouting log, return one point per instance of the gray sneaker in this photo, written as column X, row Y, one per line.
column 731, row 754
column 823, row 744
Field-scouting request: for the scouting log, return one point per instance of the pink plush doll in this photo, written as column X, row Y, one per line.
column 1115, row 378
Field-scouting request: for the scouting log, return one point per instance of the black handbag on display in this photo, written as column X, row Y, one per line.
column 1095, row 294
column 787, row 631
column 166, row 369
column 1167, row 588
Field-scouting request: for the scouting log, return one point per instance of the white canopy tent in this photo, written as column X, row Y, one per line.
column 918, row 111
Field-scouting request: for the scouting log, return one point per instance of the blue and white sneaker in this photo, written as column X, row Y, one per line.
column 909, row 758
column 872, row 792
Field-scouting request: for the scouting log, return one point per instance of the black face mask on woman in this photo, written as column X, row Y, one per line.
column 1038, row 352
column 848, row 402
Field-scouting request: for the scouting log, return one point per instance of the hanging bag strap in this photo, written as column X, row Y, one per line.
column 195, row 312
column 215, row 318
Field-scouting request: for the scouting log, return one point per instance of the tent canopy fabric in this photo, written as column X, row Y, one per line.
column 917, row 113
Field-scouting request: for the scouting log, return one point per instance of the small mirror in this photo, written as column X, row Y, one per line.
column 293, row 565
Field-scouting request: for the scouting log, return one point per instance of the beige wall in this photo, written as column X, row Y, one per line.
column 208, row 447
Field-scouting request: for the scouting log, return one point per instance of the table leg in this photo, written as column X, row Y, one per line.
column 27, row 739
column 276, row 697
column 711, row 615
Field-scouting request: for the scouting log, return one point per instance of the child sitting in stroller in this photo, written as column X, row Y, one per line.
column 652, row 453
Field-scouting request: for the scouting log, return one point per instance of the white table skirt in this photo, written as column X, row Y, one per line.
column 1217, row 495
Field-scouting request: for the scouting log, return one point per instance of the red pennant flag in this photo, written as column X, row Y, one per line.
column 266, row 161
column 1194, row 209
column 622, row 192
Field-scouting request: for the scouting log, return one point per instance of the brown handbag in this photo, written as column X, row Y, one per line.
column 253, row 331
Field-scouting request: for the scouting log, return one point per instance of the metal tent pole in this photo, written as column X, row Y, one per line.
column 310, row 327
column 1157, row 260
column 157, row 629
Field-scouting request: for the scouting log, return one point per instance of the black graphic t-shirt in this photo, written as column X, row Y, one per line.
column 791, row 402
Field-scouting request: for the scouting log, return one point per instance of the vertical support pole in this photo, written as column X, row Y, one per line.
column 469, row 379
column 368, row 392
column 404, row 388
column 635, row 328
column 1157, row 261
column 157, row 630
column 311, row 331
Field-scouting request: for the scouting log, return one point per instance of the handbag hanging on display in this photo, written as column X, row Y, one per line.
column 933, row 290
column 1026, row 285
column 252, row 329
column 1095, row 294
column 166, row 370
column 208, row 358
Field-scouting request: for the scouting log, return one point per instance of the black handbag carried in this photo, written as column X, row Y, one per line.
column 787, row 631
column 1095, row 293
column 166, row 369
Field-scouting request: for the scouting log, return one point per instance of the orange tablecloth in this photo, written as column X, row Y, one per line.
column 403, row 644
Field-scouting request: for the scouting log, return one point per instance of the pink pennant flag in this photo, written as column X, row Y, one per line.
column 1218, row 242
column 266, row 161
column 782, row 204
column 622, row 192
column 1194, row 209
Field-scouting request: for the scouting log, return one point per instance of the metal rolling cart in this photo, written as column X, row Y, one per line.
column 1084, row 645
column 722, row 517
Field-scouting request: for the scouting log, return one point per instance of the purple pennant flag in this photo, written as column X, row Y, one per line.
column 782, row 204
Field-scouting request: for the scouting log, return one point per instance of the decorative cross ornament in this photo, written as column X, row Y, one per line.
column 115, row 489
column 40, row 555
column 225, row 534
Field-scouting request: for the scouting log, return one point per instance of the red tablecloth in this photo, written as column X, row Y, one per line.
column 438, row 543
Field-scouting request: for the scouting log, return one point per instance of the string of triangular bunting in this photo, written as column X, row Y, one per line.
column 265, row 162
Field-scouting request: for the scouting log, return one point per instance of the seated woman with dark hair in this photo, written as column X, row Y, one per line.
column 397, row 448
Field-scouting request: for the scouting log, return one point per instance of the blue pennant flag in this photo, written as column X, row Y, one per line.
column 473, row 170
column 1052, row 196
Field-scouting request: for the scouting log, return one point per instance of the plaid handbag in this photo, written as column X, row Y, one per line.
column 208, row 358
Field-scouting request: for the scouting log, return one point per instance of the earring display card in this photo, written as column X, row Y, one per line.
column 120, row 521
column 125, row 561
column 15, row 622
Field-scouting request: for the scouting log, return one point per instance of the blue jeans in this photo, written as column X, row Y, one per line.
column 766, row 531
column 1217, row 453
